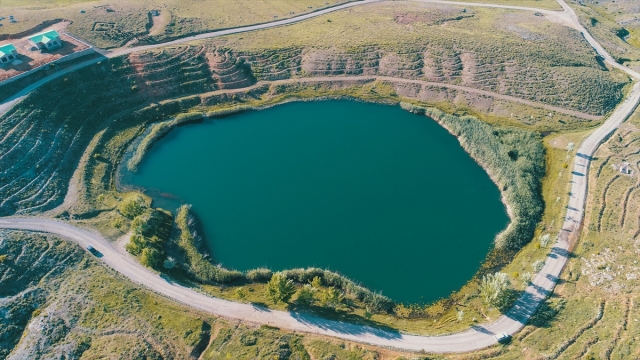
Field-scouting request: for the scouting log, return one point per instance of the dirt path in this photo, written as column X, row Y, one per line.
column 159, row 23
column 494, row 95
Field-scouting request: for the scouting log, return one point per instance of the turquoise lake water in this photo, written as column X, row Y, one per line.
column 383, row 196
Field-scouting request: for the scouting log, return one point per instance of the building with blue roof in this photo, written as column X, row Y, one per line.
column 46, row 41
column 8, row 53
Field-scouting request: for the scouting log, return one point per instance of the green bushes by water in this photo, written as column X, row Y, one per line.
column 376, row 302
column 515, row 160
column 158, row 131
column 195, row 262
column 198, row 266
column 259, row 275
column 150, row 231
column 231, row 111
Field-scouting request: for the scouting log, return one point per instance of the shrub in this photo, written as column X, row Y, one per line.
column 367, row 314
column 138, row 225
column 131, row 207
column 436, row 309
column 537, row 266
column 136, row 244
column 495, row 290
column 330, row 297
column 545, row 240
column 239, row 293
column 375, row 301
column 279, row 288
column 402, row 311
column 259, row 275
column 151, row 257
column 316, row 283
column 305, row 295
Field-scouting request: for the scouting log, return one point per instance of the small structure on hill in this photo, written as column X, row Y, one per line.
column 46, row 41
column 8, row 53
column 623, row 168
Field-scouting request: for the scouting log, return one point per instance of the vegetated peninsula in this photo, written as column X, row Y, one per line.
column 540, row 95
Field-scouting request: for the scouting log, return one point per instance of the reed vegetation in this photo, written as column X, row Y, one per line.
column 515, row 160
column 196, row 264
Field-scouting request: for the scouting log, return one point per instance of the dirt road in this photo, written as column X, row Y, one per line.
column 475, row 338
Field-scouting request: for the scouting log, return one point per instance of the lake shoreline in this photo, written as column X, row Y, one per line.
column 236, row 110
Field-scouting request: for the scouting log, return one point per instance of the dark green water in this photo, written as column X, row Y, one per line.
column 383, row 196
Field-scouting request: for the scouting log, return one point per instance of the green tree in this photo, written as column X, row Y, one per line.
column 151, row 257
column 330, row 297
column 305, row 295
column 138, row 225
column 316, row 282
column 169, row 263
column 279, row 289
column 495, row 290
column 136, row 244
column 240, row 294
column 132, row 207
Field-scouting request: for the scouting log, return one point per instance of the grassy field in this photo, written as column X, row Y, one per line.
column 110, row 24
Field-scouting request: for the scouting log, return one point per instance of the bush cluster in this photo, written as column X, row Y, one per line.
column 150, row 231
column 374, row 301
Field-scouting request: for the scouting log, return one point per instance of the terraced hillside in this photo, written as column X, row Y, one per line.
column 42, row 139
column 511, row 53
column 524, row 56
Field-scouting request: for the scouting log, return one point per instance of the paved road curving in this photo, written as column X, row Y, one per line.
column 475, row 338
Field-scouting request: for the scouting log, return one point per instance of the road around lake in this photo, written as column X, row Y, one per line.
column 476, row 338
